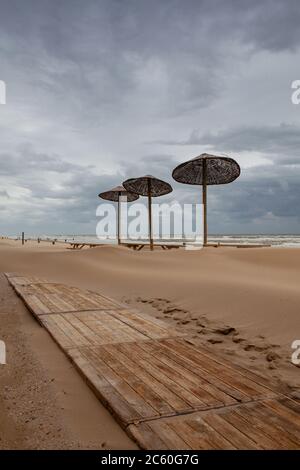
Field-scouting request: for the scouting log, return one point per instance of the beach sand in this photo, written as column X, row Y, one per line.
column 241, row 303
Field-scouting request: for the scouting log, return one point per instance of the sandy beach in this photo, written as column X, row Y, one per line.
column 241, row 303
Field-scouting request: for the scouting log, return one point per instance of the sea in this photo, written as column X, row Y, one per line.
column 288, row 241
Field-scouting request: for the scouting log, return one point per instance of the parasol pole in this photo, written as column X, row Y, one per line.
column 119, row 219
column 204, row 187
column 150, row 214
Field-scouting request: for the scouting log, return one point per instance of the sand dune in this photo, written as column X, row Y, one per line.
column 243, row 303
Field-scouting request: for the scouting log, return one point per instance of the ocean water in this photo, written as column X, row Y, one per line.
column 273, row 240
column 288, row 241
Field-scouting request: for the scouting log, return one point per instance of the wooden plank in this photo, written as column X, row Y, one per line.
column 169, row 435
column 145, row 324
column 53, row 303
column 145, row 437
column 123, row 411
column 148, row 393
column 227, row 431
column 60, row 336
column 229, row 375
column 98, row 355
column 150, row 318
column 87, row 331
column 126, row 392
column 83, row 327
column 9, row 275
column 60, row 302
column 224, row 392
column 175, row 402
column 286, row 408
column 239, row 420
column 25, row 281
column 214, row 440
column 115, row 330
column 199, row 384
column 269, row 383
column 190, row 436
column 165, row 392
column 266, row 422
column 197, row 397
column 67, row 327
column 43, row 297
column 165, row 375
column 34, row 304
column 23, row 290
column 287, row 428
column 235, row 427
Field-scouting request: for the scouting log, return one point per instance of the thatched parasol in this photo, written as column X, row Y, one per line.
column 207, row 170
column 151, row 187
column 114, row 195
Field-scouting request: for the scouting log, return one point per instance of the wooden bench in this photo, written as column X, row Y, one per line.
column 140, row 246
column 79, row 246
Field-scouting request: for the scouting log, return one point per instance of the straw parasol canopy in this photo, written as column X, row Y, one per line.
column 149, row 186
column 115, row 195
column 207, row 170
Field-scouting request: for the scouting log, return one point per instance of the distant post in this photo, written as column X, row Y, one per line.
column 22, row 238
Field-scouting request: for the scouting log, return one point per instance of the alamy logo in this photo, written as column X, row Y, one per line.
column 2, row 92
column 296, row 94
column 296, row 354
column 169, row 221
column 2, row 353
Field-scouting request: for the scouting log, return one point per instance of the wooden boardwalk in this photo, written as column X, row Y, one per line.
column 165, row 392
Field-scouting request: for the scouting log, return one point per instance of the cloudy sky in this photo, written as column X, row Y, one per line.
column 102, row 90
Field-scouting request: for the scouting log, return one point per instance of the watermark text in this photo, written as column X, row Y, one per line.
column 2, row 352
column 2, row 92
column 295, row 358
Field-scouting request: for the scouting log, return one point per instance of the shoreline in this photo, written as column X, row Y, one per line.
column 239, row 241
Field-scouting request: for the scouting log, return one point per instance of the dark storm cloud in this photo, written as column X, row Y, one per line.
column 258, row 193
column 102, row 53
column 281, row 141
column 267, row 193
column 35, row 162
column 58, row 191
column 262, row 191
column 82, row 75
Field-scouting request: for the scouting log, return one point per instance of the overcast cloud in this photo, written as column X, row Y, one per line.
column 102, row 90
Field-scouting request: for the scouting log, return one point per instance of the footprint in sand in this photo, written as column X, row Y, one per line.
column 172, row 310
column 236, row 339
column 231, row 332
column 215, row 340
column 272, row 356
column 203, row 331
column 183, row 317
column 162, row 305
column 226, row 330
